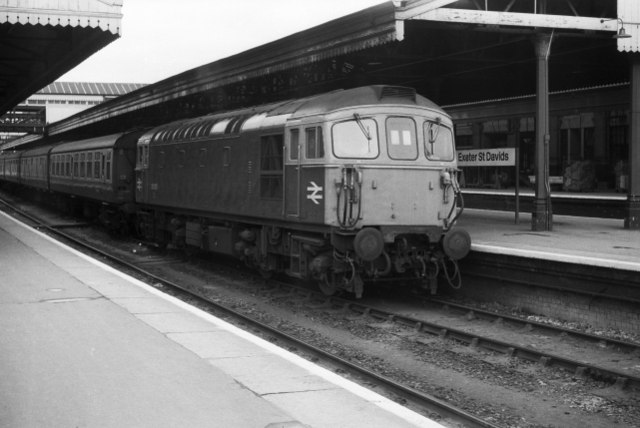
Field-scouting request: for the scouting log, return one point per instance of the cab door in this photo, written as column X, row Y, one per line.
column 142, row 166
column 292, row 174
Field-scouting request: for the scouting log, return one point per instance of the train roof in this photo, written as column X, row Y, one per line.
column 103, row 142
column 363, row 96
column 39, row 151
column 277, row 114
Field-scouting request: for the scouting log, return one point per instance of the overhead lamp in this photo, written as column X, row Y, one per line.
column 622, row 33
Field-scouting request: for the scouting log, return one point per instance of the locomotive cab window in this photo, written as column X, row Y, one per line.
column 356, row 138
column 401, row 138
column 314, row 143
column 294, row 144
column 438, row 141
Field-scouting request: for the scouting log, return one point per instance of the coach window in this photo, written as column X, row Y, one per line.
column 401, row 138
column 182, row 158
column 294, row 144
column 83, row 165
column 314, row 143
column 438, row 141
column 90, row 165
column 67, row 166
column 271, row 167
column 356, row 138
column 96, row 165
column 76, row 166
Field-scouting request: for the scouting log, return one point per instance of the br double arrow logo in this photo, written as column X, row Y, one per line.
column 314, row 192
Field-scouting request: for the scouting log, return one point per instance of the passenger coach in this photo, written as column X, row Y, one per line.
column 98, row 174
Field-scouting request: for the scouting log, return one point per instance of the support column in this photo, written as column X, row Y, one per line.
column 542, row 216
column 632, row 214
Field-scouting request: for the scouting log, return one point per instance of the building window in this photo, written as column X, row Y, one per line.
column 618, row 140
column 464, row 135
column 577, row 138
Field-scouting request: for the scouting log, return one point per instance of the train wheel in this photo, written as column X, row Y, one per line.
column 330, row 283
column 265, row 273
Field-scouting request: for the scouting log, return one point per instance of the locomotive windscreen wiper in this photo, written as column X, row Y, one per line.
column 364, row 130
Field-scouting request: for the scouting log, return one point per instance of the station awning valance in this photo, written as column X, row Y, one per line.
column 82, row 13
column 41, row 40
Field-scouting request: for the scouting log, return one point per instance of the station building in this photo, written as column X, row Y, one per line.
column 64, row 99
column 588, row 145
column 58, row 101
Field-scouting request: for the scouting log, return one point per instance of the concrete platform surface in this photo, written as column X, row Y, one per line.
column 582, row 240
column 83, row 345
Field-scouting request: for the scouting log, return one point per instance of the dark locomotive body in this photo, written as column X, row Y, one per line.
column 342, row 188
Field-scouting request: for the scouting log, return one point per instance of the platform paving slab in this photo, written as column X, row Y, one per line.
column 80, row 356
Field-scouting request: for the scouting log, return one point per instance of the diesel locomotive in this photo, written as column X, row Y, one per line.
column 343, row 188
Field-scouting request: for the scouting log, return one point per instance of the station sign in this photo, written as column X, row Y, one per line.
column 487, row 157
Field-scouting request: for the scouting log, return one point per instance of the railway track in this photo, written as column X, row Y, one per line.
column 423, row 326
column 529, row 325
column 423, row 402
column 414, row 325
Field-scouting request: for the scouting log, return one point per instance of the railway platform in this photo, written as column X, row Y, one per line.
column 581, row 240
column 85, row 345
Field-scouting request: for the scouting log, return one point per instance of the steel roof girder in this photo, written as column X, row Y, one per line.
column 515, row 19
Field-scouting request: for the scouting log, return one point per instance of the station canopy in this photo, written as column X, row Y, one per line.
column 42, row 40
column 450, row 51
